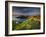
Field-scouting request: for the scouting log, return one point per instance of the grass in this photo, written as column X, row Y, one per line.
column 32, row 22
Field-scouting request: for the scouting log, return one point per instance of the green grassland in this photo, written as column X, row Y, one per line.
column 32, row 22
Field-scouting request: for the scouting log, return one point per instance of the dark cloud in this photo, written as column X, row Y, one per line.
column 26, row 10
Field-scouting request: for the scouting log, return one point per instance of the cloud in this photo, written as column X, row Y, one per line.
column 26, row 10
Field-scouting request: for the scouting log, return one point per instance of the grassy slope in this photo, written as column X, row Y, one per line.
column 30, row 23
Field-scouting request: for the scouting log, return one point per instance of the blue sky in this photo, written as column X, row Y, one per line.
column 26, row 10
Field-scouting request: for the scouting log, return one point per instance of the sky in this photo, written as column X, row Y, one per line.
column 25, row 10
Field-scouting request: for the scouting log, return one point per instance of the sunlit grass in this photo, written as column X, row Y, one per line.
column 32, row 22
